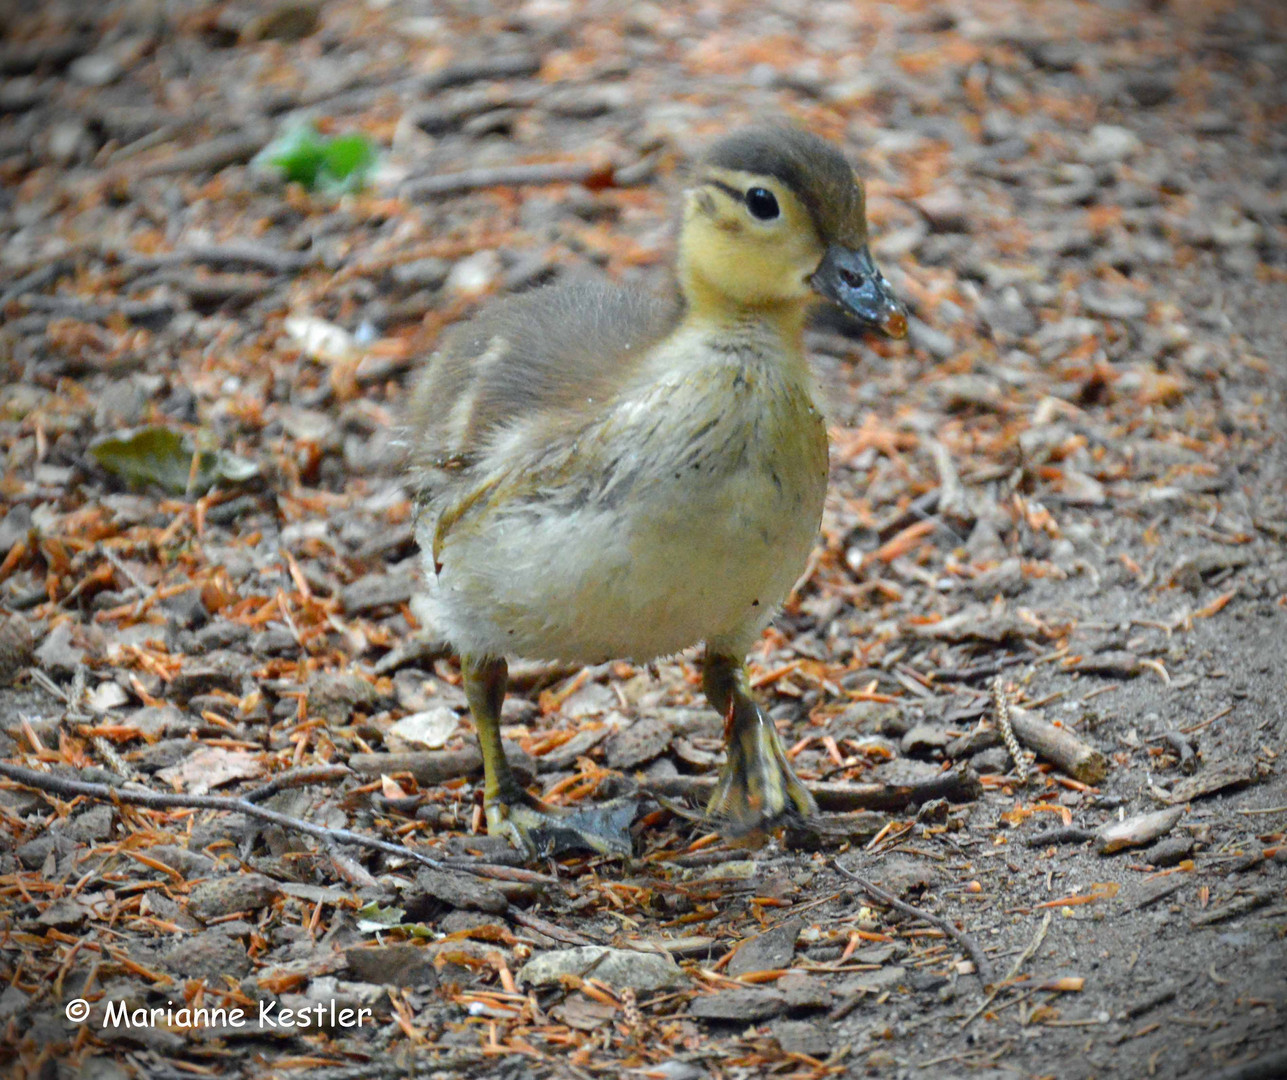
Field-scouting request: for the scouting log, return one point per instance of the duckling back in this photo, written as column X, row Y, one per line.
column 560, row 353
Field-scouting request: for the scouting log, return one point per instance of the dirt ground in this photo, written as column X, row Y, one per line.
column 1070, row 481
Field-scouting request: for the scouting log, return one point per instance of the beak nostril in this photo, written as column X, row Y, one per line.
column 853, row 280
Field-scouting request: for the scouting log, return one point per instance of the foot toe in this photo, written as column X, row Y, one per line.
column 542, row 831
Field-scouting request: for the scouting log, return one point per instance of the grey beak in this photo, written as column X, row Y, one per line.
column 850, row 278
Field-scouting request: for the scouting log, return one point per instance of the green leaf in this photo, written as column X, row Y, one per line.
column 337, row 164
column 374, row 917
column 298, row 154
column 162, row 456
column 349, row 155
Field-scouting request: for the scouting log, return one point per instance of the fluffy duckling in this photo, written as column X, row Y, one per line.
column 604, row 474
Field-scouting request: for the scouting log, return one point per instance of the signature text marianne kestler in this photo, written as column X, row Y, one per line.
column 270, row 1016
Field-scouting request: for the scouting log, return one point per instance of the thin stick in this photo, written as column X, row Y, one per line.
column 1022, row 959
column 549, row 929
column 957, row 786
column 157, row 800
column 539, row 173
column 982, row 966
column 313, row 774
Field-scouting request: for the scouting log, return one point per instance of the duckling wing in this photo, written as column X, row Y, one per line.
column 563, row 351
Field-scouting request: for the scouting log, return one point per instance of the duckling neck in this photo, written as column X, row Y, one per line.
column 711, row 308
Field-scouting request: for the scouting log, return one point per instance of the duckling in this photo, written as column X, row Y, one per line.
column 605, row 474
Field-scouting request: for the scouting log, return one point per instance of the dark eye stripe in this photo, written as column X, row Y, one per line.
column 727, row 189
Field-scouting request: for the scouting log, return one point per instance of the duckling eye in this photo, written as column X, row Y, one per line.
column 762, row 204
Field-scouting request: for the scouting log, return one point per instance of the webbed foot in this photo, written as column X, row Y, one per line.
column 540, row 830
column 757, row 789
column 533, row 827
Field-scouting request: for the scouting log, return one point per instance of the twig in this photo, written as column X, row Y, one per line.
column 315, row 774
column 1193, row 729
column 1001, row 704
column 958, row 786
column 977, row 671
column 1020, row 960
column 73, row 307
column 952, row 500
column 1060, row 746
column 211, row 155
column 37, row 279
column 236, row 253
column 1238, row 906
column 599, row 173
column 982, row 966
column 157, row 800
column 1069, row 835
column 1160, row 996
column 549, row 929
column 495, row 67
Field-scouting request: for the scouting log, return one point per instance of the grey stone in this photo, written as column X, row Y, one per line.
column 1057, row 55
column 14, row 526
column 236, row 892
column 874, row 982
column 993, row 761
column 214, row 671
column 924, row 740
column 638, row 742
column 95, row 69
column 768, row 951
column 191, row 864
column 459, row 891
column 945, row 209
column 902, row 875
column 56, row 654
column 391, row 965
column 935, row 342
column 35, row 851
column 69, row 142
column 677, row 1070
column 619, row 968
column 1150, row 88
column 64, row 914
column 803, row 992
column 153, row 721
column 1004, row 579
column 739, row 1006
column 89, row 826
column 374, row 591
column 1009, row 314
column 120, row 404
column 335, row 696
column 803, row 1037
column 1109, row 143
column 421, row 273
column 16, row 649
column 210, row 955
column 1170, row 851
column 1119, row 305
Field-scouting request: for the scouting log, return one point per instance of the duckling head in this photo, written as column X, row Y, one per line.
column 776, row 216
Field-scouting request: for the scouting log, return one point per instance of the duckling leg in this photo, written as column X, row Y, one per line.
column 534, row 827
column 756, row 787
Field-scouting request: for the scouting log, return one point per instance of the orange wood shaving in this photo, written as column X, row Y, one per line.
column 1104, row 890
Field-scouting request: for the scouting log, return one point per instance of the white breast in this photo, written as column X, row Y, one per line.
column 685, row 516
